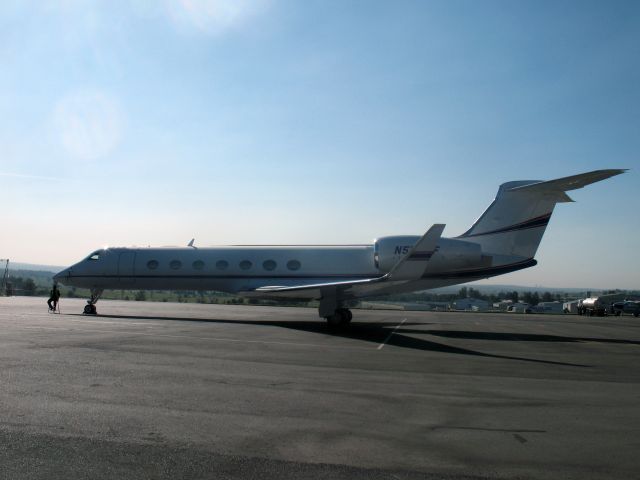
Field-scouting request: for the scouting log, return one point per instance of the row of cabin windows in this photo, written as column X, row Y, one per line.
column 223, row 265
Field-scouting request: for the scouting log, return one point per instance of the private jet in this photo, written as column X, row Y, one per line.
column 504, row 239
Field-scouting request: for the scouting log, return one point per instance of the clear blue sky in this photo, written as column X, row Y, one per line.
column 152, row 122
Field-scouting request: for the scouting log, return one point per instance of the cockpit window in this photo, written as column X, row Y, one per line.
column 376, row 255
column 95, row 255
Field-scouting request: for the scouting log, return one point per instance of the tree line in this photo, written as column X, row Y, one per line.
column 532, row 298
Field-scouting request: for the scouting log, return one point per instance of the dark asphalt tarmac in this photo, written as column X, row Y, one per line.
column 160, row 390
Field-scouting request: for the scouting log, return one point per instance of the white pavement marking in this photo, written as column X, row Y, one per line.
column 391, row 334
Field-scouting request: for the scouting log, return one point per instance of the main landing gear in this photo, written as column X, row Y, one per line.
column 333, row 311
column 90, row 307
column 342, row 316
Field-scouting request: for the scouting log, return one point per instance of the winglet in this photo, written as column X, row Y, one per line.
column 414, row 263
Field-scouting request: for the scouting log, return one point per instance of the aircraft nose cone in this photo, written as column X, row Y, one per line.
column 62, row 275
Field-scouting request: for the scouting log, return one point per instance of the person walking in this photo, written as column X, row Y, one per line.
column 54, row 297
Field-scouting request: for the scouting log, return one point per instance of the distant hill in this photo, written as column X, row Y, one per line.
column 493, row 289
column 34, row 267
column 511, row 288
column 41, row 278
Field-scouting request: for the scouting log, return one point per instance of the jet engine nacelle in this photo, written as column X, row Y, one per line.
column 451, row 253
column 387, row 251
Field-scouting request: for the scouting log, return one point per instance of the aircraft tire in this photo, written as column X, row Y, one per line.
column 90, row 309
column 341, row 316
column 334, row 320
column 345, row 315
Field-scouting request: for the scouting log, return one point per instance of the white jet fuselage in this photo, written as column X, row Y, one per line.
column 246, row 269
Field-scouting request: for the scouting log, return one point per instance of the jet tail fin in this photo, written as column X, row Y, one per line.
column 516, row 220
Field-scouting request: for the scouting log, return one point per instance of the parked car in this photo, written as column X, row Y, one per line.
column 620, row 308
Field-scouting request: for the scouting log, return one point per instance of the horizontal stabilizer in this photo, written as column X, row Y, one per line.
column 414, row 263
column 569, row 183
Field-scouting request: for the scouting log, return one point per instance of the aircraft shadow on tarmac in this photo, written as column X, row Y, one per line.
column 386, row 332
column 524, row 337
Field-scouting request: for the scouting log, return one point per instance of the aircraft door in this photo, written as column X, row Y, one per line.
column 126, row 269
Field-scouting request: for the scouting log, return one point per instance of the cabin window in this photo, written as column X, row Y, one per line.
column 175, row 264
column 198, row 265
column 245, row 264
column 269, row 265
column 152, row 264
column 222, row 264
column 293, row 265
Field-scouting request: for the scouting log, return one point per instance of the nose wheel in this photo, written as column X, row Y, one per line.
column 90, row 307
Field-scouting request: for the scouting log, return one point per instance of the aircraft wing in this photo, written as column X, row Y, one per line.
column 347, row 289
column 410, row 267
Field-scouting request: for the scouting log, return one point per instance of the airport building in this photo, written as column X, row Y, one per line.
column 548, row 307
column 474, row 304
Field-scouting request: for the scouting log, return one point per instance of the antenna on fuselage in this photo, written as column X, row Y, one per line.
column 190, row 244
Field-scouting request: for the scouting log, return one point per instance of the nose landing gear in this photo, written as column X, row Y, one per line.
column 90, row 307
